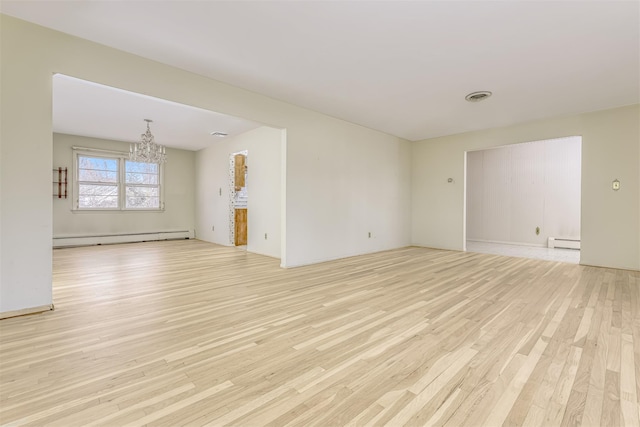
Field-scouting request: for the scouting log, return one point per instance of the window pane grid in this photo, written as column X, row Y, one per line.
column 102, row 190
column 98, row 202
column 142, row 191
column 117, row 183
column 142, row 188
column 143, row 202
column 98, row 163
column 141, row 178
column 141, row 167
column 107, row 178
column 142, row 197
column 98, row 183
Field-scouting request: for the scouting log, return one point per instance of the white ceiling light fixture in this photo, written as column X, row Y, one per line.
column 478, row 96
column 147, row 151
column 219, row 134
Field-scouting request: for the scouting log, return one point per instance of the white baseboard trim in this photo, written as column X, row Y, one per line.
column 60, row 242
column 26, row 311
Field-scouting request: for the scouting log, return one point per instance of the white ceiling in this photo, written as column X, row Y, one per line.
column 98, row 111
column 402, row 67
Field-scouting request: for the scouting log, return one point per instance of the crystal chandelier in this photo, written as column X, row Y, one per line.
column 147, row 150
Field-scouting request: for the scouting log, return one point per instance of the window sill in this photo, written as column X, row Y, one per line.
column 113, row 211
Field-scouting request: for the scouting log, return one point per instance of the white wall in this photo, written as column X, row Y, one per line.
column 610, row 220
column 179, row 195
column 346, row 187
column 263, row 185
column 342, row 180
column 26, row 150
column 512, row 190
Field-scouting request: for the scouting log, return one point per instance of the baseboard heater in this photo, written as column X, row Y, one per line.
column 60, row 242
column 563, row 243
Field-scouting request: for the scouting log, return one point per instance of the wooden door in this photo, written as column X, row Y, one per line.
column 241, row 227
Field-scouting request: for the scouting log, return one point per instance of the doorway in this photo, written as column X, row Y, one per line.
column 238, row 198
column 524, row 200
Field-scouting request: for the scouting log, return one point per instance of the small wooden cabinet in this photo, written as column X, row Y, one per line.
column 240, row 166
column 241, row 227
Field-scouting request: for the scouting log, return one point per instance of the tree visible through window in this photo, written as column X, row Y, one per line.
column 113, row 182
column 142, row 182
column 97, row 183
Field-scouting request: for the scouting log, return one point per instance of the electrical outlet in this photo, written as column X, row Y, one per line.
column 220, row 191
column 213, row 228
column 265, row 236
column 369, row 234
column 615, row 185
column 537, row 231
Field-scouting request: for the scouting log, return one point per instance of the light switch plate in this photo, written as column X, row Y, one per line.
column 615, row 185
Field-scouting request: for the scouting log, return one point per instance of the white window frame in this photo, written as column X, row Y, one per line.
column 122, row 157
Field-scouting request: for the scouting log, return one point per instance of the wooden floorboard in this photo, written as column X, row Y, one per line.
column 190, row 333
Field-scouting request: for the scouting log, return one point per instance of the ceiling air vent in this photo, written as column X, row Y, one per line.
column 478, row 96
column 219, row 134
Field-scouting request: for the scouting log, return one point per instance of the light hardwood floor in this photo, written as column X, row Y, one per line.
column 189, row 333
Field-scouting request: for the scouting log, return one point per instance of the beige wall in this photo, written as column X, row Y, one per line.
column 610, row 150
column 179, row 195
column 343, row 180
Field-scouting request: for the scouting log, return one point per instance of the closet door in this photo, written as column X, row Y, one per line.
column 241, row 227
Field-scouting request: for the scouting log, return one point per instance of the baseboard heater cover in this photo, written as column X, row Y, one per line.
column 563, row 243
column 59, row 242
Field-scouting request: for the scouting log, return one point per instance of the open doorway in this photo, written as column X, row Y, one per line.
column 238, row 198
column 524, row 200
column 241, row 177
column 192, row 184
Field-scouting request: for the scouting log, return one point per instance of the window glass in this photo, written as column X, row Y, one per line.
column 97, row 183
column 142, row 185
column 114, row 182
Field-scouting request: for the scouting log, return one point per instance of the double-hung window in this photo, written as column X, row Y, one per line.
column 109, row 181
column 98, row 182
column 142, row 185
